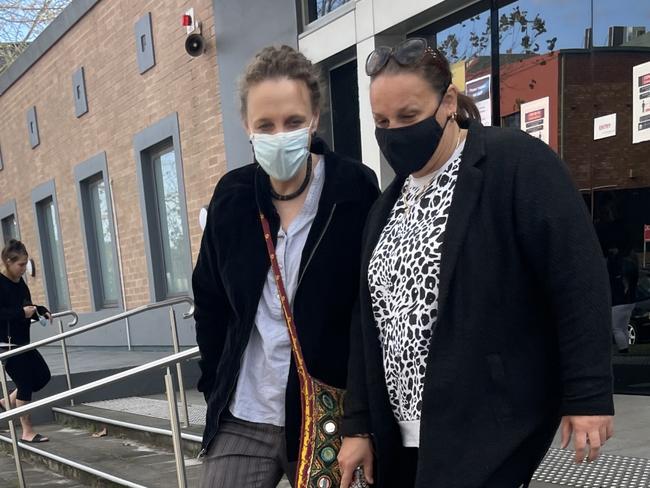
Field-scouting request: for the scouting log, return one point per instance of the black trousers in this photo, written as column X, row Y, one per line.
column 29, row 372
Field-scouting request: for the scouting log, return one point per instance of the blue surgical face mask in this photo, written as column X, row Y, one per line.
column 281, row 155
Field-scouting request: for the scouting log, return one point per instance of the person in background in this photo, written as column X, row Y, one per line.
column 484, row 303
column 28, row 370
column 316, row 203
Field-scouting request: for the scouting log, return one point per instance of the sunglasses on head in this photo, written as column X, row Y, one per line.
column 406, row 53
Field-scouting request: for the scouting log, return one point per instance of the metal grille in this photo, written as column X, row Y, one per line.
column 150, row 407
column 607, row 472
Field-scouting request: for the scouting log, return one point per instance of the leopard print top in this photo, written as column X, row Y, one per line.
column 403, row 283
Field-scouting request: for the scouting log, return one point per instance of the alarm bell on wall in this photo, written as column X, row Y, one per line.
column 195, row 45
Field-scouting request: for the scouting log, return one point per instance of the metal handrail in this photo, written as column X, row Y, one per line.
column 100, row 323
column 109, row 380
column 72, row 313
column 62, row 336
column 168, row 361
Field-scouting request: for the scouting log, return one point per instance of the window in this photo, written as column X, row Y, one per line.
column 315, row 9
column 173, row 241
column 8, row 222
column 164, row 211
column 465, row 40
column 344, row 93
column 513, row 120
column 52, row 254
column 102, row 237
column 339, row 122
column 98, row 231
column 9, row 228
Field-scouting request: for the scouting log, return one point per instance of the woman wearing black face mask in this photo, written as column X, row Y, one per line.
column 483, row 285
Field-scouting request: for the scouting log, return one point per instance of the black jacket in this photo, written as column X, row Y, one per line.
column 231, row 270
column 523, row 333
column 14, row 327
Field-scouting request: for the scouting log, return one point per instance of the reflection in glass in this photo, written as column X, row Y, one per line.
column 103, row 238
column 9, row 228
column 466, row 44
column 174, row 242
column 319, row 8
column 52, row 246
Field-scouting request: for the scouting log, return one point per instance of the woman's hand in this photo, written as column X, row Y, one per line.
column 355, row 452
column 48, row 316
column 29, row 311
column 592, row 430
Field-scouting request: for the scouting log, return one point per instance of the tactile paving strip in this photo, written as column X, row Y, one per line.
column 608, row 471
column 150, row 407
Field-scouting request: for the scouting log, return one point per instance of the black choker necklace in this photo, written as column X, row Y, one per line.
column 299, row 191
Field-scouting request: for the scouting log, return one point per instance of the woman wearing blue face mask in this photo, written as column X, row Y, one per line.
column 484, row 305
column 280, row 249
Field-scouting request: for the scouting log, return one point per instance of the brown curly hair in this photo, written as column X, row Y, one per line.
column 280, row 62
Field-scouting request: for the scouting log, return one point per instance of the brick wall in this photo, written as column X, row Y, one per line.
column 121, row 103
column 599, row 84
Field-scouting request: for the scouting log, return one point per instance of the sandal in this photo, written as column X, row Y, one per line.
column 37, row 439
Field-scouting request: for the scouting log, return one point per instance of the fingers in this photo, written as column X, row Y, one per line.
column 610, row 428
column 346, row 477
column 580, row 443
column 566, row 429
column 368, row 470
column 602, row 432
column 594, row 445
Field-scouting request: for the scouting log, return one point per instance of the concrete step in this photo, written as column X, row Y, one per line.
column 103, row 462
column 35, row 477
column 151, row 431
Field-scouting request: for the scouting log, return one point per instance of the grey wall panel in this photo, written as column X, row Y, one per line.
column 151, row 328
column 79, row 92
column 239, row 35
column 144, row 43
column 32, row 128
column 110, row 335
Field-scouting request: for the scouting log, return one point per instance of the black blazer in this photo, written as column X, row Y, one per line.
column 523, row 334
column 231, row 272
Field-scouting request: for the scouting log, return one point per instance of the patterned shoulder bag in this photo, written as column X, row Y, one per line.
column 322, row 404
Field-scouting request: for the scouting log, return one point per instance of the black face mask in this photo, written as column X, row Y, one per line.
column 408, row 149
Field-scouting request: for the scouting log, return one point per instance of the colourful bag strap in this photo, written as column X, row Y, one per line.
column 284, row 299
column 306, row 384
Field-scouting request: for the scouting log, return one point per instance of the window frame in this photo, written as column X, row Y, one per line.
column 55, row 302
column 147, row 143
column 8, row 209
column 86, row 173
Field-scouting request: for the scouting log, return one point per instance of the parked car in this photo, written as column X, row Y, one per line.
column 639, row 326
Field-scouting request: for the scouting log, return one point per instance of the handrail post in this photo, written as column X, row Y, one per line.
column 12, row 428
column 179, row 370
column 66, row 363
column 176, row 430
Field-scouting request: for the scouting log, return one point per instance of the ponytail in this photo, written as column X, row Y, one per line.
column 466, row 110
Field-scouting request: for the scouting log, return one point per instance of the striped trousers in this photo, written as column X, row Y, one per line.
column 246, row 455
